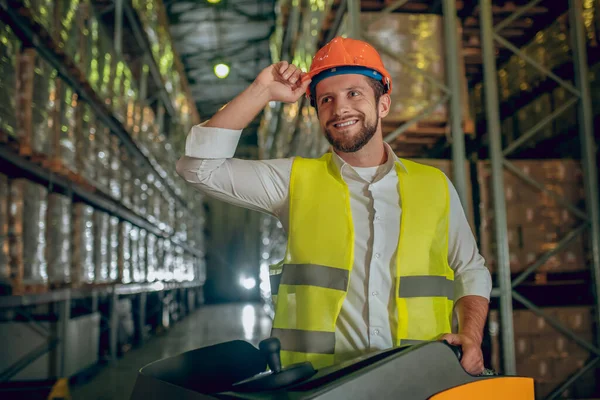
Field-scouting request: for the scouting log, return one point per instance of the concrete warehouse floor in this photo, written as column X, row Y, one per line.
column 208, row 325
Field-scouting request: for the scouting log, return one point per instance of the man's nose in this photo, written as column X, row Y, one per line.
column 341, row 106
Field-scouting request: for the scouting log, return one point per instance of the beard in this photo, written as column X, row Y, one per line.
column 353, row 143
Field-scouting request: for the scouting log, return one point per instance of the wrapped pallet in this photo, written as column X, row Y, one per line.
column 9, row 51
column 103, row 152
column 152, row 262
column 134, row 245
column 126, row 174
column 4, row 254
column 178, row 264
column 419, row 40
column 167, row 265
column 125, row 253
column 63, row 147
column 119, row 105
column 87, row 148
column 141, row 268
column 58, row 239
column 45, row 108
column 27, row 234
column 101, row 247
column 113, row 249
column 82, row 266
column 115, row 178
column 536, row 221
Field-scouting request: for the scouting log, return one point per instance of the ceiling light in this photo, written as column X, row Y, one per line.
column 214, row 1
column 221, row 70
column 248, row 283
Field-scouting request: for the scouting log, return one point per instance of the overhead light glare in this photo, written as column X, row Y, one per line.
column 221, row 70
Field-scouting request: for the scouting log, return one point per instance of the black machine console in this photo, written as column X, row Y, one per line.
column 238, row 370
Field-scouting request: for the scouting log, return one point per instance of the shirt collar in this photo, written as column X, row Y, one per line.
column 392, row 160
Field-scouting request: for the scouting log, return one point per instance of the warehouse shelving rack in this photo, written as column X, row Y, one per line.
column 483, row 22
column 506, row 291
column 149, row 300
column 30, row 32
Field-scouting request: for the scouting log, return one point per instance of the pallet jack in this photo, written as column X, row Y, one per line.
column 238, row 370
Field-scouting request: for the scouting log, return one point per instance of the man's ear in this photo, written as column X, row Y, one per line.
column 385, row 103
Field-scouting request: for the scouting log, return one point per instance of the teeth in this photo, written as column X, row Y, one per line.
column 345, row 124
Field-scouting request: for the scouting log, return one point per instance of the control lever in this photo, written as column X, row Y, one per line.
column 277, row 377
column 270, row 348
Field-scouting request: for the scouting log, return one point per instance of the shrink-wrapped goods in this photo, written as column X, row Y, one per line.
column 27, row 232
column 58, row 239
column 417, row 39
column 115, row 178
column 9, row 51
column 125, row 259
column 142, row 266
column 152, row 262
column 82, row 265
column 113, row 249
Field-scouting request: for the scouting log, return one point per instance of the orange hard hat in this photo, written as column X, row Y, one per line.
column 347, row 56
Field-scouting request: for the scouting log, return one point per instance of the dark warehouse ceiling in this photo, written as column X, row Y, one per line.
column 234, row 32
column 238, row 32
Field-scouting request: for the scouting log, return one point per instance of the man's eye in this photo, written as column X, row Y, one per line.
column 325, row 100
column 354, row 93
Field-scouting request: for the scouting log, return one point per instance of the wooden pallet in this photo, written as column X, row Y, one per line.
column 21, row 289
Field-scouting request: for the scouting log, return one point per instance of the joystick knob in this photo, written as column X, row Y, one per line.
column 270, row 349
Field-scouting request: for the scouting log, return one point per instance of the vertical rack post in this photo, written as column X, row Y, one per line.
column 588, row 146
column 453, row 60
column 496, row 157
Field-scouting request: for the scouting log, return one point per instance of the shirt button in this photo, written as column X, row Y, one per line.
column 377, row 255
column 378, row 218
column 375, row 293
column 376, row 332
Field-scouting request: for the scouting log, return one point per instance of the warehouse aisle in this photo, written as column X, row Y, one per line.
column 207, row 326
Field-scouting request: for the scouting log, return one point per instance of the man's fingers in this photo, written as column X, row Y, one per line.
column 295, row 76
column 282, row 67
column 452, row 338
column 289, row 72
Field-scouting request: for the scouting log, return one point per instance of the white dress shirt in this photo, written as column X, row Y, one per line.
column 368, row 315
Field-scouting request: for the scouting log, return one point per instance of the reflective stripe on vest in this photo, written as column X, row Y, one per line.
column 305, row 341
column 426, row 286
column 309, row 286
column 312, row 275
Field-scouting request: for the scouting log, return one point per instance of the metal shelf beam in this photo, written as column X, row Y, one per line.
column 55, row 296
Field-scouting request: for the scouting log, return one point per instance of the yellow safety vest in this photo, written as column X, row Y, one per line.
column 310, row 284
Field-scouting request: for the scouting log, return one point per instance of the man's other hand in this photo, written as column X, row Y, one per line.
column 472, row 356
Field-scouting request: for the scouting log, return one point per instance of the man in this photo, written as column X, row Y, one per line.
column 380, row 253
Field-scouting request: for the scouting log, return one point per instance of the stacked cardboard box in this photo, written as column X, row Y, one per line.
column 545, row 354
column 536, row 221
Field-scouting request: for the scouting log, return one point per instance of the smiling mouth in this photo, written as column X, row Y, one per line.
column 346, row 124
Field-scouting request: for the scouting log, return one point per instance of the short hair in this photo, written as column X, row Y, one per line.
column 377, row 87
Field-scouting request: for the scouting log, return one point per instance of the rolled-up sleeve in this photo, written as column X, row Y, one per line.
column 471, row 275
column 209, row 167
